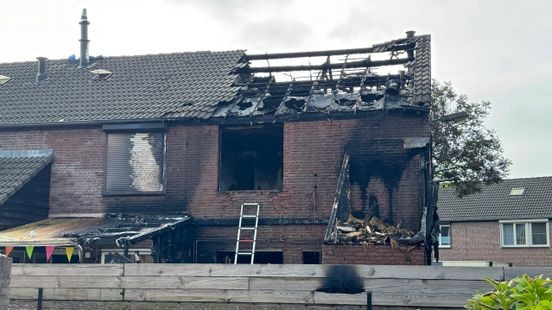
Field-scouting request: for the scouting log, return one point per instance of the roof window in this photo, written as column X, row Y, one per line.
column 517, row 191
column 101, row 74
column 4, row 79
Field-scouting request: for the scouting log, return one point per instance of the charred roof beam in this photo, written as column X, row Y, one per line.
column 366, row 63
column 398, row 45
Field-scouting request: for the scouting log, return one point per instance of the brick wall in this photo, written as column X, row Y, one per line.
column 371, row 255
column 480, row 241
column 313, row 153
column 291, row 240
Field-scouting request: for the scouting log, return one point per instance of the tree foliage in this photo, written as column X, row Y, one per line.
column 466, row 154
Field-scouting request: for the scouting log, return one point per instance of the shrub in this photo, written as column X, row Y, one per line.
column 525, row 292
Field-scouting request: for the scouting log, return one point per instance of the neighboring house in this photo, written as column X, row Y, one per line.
column 150, row 157
column 506, row 223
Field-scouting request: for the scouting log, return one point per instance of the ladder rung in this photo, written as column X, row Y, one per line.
column 245, row 253
column 248, row 228
column 249, row 216
column 246, row 240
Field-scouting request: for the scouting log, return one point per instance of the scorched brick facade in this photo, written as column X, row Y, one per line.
column 155, row 155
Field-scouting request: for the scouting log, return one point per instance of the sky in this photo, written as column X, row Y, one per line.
column 489, row 49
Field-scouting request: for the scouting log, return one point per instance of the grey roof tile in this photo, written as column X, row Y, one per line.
column 494, row 202
column 187, row 85
column 19, row 167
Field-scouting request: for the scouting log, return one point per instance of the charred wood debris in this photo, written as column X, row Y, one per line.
column 383, row 76
column 344, row 228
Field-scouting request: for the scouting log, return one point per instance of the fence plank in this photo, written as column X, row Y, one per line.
column 316, row 271
column 512, row 272
column 224, row 296
column 183, row 282
column 67, row 294
column 80, row 269
column 66, row 281
column 321, row 298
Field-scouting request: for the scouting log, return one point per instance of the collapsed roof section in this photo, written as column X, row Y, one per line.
column 391, row 75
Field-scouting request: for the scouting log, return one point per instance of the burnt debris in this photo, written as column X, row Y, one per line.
column 385, row 76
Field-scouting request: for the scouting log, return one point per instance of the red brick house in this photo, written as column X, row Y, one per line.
column 155, row 154
column 506, row 223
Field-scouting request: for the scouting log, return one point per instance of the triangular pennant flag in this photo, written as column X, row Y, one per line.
column 9, row 249
column 29, row 249
column 49, row 251
column 69, row 253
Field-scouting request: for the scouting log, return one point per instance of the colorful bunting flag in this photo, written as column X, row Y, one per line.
column 9, row 249
column 29, row 249
column 49, row 251
column 69, row 253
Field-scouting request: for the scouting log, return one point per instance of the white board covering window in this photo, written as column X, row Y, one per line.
column 531, row 233
column 135, row 162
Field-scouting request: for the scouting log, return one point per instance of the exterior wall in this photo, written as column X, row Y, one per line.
column 292, row 240
column 371, row 255
column 313, row 152
column 481, row 241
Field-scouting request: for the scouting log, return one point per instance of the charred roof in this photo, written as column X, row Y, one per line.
column 218, row 85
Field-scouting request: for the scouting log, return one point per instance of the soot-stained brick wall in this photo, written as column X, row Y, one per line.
column 371, row 255
column 381, row 171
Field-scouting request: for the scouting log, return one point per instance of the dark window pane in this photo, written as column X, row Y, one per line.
column 135, row 162
column 445, row 235
column 508, row 234
column 538, row 233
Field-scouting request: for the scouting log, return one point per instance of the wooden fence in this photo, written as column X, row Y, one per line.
column 403, row 286
column 5, row 267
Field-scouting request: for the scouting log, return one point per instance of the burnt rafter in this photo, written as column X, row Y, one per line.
column 366, row 63
column 390, row 75
column 398, row 45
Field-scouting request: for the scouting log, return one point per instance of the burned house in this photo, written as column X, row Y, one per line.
column 151, row 157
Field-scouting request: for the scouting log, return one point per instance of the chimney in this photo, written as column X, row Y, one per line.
column 84, row 39
column 41, row 75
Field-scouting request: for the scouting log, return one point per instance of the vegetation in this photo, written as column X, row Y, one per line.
column 466, row 154
column 524, row 292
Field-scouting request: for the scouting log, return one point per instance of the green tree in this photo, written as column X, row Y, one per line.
column 466, row 154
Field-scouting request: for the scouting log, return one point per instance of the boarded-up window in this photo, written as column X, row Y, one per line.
column 135, row 162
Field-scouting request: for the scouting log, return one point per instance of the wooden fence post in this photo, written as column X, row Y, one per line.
column 5, row 270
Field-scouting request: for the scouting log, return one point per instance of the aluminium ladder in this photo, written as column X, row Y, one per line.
column 247, row 234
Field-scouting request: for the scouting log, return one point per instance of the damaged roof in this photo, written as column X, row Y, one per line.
column 19, row 167
column 512, row 199
column 129, row 228
column 218, row 85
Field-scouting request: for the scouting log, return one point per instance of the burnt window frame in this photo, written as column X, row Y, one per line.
column 135, row 128
column 221, row 128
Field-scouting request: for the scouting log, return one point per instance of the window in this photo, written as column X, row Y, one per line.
column 517, row 191
column 311, row 257
column 4, row 79
column 251, row 158
column 135, row 162
column 524, row 234
column 444, row 236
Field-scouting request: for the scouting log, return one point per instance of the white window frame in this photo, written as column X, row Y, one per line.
column 528, row 233
column 446, row 246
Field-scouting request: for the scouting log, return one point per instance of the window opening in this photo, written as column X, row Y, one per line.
column 311, row 257
column 251, row 158
column 444, row 236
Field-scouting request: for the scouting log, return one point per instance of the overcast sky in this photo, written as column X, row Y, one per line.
column 490, row 50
